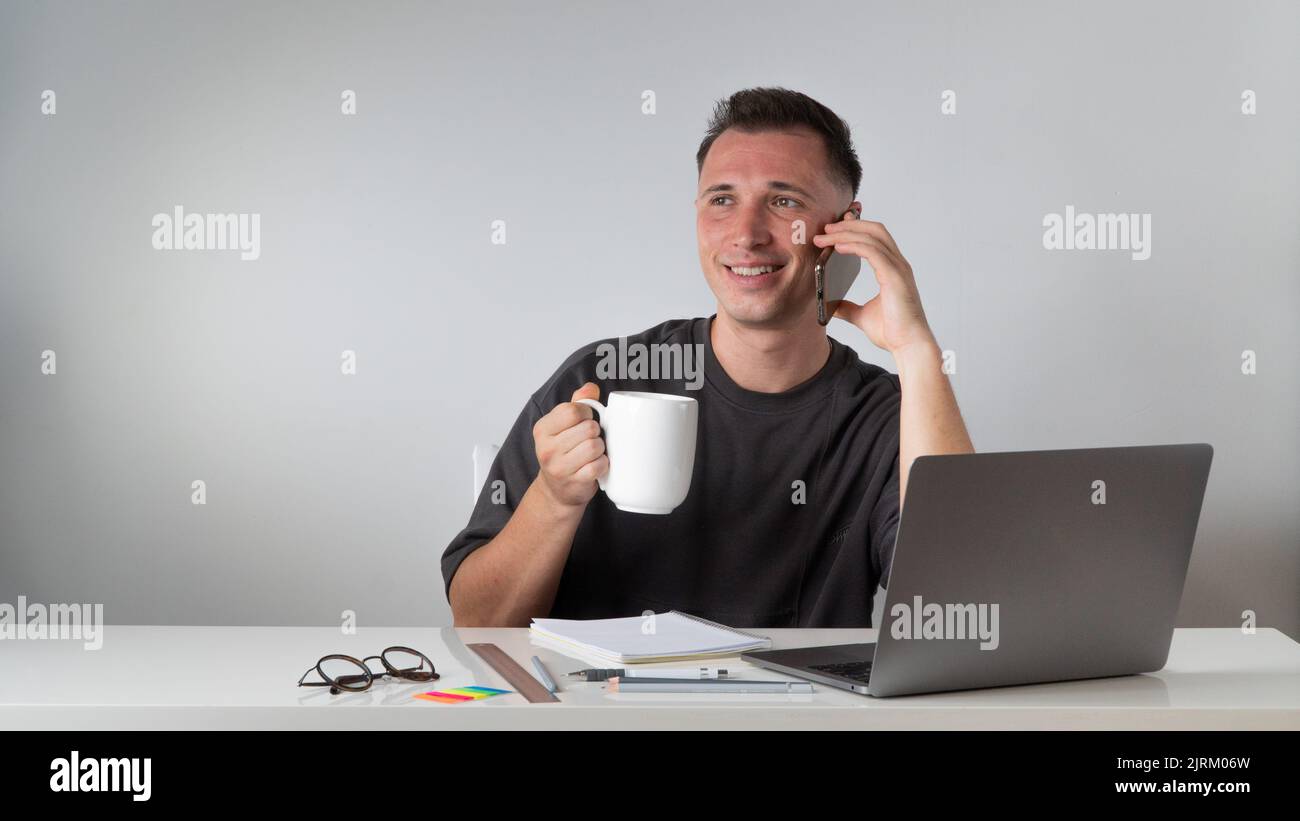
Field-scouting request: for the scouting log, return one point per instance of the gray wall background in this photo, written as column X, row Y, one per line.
column 328, row 492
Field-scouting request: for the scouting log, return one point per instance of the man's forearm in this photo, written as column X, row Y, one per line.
column 514, row 577
column 929, row 420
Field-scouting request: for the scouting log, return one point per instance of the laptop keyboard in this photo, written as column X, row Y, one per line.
column 856, row 670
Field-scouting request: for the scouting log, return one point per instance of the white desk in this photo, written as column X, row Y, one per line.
column 245, row 678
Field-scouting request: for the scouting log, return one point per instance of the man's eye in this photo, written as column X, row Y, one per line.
column 793, row 202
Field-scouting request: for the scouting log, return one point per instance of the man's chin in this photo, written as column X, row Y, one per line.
column 759, row 316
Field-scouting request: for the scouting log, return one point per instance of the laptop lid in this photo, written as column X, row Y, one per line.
column 1013, row 568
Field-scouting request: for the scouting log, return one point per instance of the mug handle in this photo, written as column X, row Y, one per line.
column 602, row 411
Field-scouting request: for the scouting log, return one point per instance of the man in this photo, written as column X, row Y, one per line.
column 804, row 450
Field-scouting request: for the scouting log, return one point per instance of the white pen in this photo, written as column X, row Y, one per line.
column 599, row 674
column 631, row 685
column 677, row 672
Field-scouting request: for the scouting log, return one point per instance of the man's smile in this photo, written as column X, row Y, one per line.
column 754, row 274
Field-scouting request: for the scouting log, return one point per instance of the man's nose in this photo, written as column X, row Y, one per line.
column 752, row 226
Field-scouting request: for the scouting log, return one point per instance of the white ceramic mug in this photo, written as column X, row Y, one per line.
column 650, row 441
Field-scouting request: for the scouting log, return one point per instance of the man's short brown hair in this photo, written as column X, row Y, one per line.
column 767, row 109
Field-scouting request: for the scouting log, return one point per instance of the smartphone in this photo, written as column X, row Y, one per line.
column 835, row 276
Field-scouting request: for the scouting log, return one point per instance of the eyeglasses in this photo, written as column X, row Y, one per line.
column 342, row 672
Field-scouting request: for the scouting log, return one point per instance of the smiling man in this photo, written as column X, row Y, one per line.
column 804, row 450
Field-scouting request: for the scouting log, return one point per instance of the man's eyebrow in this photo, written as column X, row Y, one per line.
column 774, row 185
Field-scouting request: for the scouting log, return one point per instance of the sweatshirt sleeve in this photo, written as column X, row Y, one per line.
column 887, row 510
column 884, row 526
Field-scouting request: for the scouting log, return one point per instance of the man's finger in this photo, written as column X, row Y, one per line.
column 562, row 417
column 567, row 440
column 841, row 241
column 586, row 451
column 847, row 310
column 882, row 262
column 873, row 229
column 588, row 391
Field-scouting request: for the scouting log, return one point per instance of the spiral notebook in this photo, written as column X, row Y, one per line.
column 667, row 636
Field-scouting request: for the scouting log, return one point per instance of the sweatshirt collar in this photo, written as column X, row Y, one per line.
column 811, row 391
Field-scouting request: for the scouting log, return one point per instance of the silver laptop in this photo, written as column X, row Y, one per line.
column 1016, row 568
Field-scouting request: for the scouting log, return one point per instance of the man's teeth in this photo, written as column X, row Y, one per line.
column 752, row 272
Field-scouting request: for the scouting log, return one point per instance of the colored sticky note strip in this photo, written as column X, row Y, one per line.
column 457, row 695
column 443, row 698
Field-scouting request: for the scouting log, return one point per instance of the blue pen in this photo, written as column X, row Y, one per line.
column 544, row 676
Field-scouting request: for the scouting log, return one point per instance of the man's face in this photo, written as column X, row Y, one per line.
column 752, row 190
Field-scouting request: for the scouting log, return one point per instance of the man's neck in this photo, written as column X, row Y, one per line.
column 768, row 360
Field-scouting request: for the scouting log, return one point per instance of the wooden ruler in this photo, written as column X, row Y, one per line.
column 527, row 686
